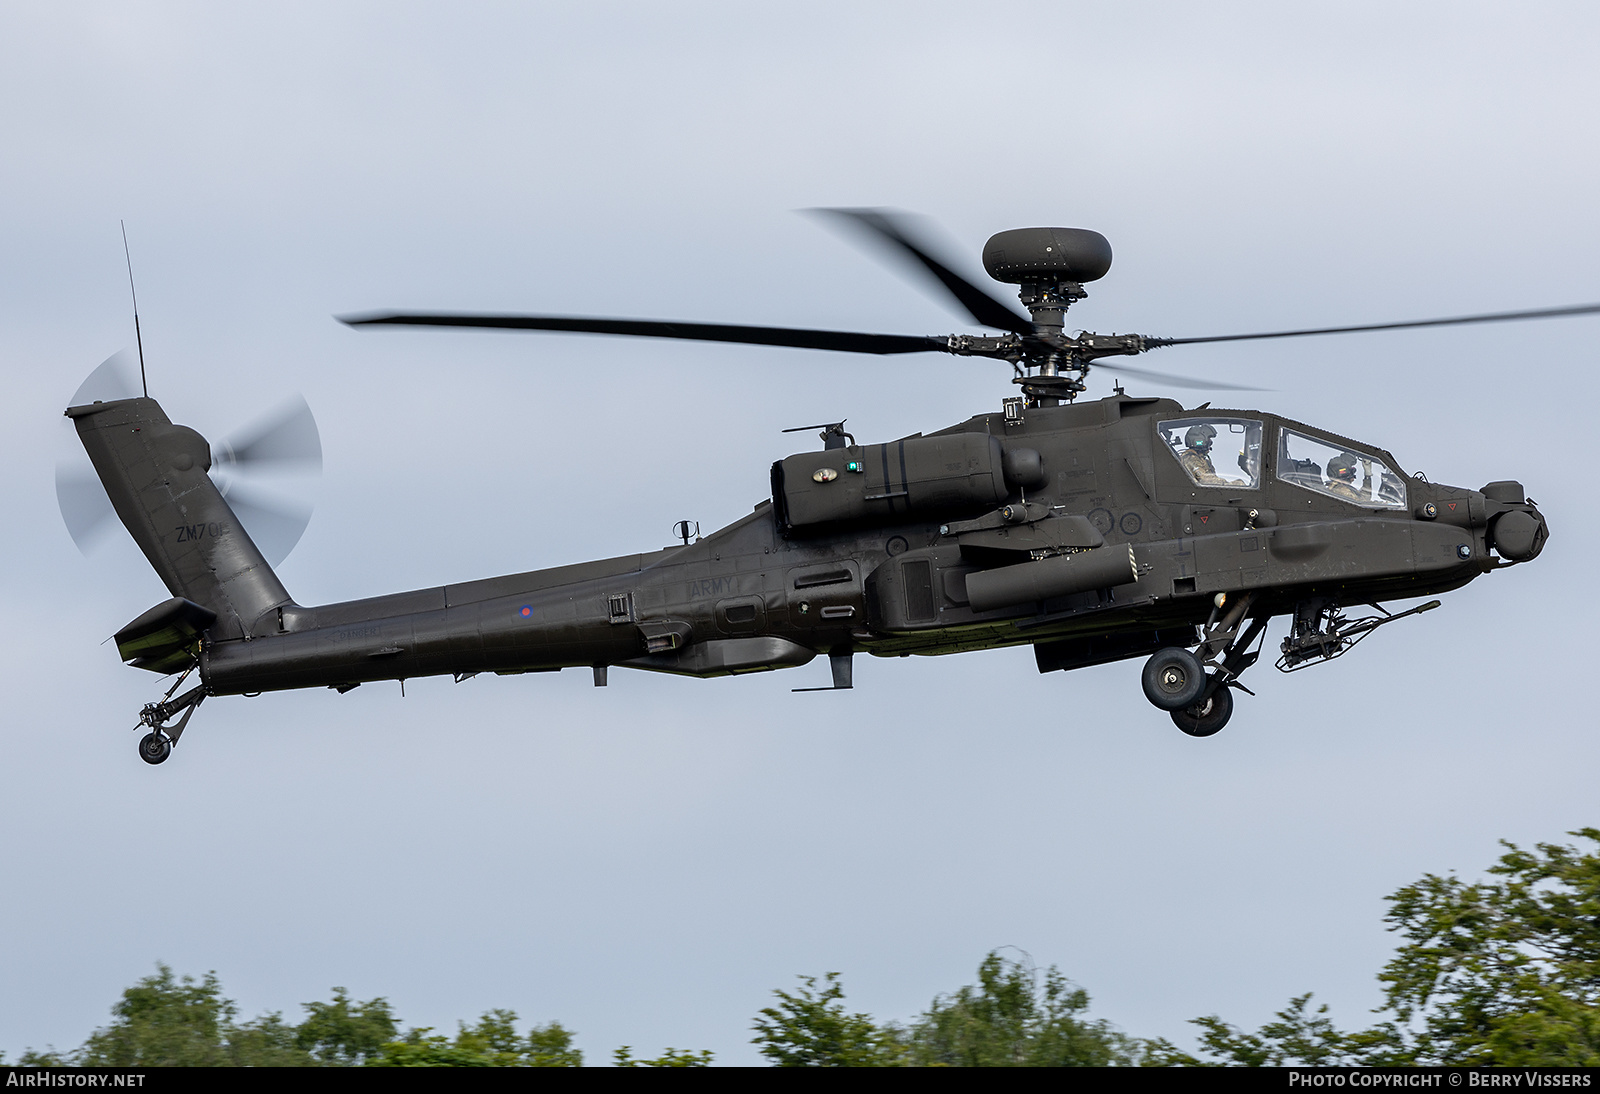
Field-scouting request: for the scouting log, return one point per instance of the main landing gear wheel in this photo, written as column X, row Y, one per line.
column 1207, row 716
column 1173, row 678
column 154, row 748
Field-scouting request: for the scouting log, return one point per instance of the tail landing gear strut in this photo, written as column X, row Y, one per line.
column 156, row 746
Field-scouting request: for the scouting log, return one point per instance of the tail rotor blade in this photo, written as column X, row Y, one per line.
column 275, row 525
column 113, row 379
column 284, row 442
column 85, row 509
column 893, row 230
column 287, row 437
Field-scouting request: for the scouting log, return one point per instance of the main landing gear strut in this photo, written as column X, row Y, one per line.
column 1197, row 688
column 156, row 745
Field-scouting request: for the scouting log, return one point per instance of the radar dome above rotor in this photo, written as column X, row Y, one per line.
column 1047, row 254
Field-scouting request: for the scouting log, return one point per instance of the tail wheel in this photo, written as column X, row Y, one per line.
column 1208, row 716
column 1173, row 678
column 154, row 748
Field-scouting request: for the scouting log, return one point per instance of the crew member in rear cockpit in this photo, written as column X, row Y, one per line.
column 1196, row 456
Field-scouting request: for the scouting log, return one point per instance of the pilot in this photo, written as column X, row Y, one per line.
column 1196, row 456
column 1342, row 478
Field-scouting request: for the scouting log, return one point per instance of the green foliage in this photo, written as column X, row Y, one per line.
column 48, row 1058
column 343, row 1032
column 265, row 1042
column 167, row 1021
column 164, row 1021
column 1503, row 971
column 810, row 1028
column 424, row 1048
column 1297, row 1038
column 1499, row 972
column 492, row 1042
column 673, row 1057
column 1016, row 1017
column 550, row 1045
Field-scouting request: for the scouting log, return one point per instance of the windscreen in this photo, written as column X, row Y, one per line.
column 1216, row 451
column 1339, row 472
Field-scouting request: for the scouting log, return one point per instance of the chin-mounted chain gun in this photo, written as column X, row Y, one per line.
column 1321, row 633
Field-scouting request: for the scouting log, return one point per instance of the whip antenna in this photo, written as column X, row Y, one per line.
column 137, row 337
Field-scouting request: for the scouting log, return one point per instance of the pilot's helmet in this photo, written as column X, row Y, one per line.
column 1199, row 438
column 1342, row 468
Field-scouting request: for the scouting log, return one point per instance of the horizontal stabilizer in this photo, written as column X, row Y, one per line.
column 166, row 638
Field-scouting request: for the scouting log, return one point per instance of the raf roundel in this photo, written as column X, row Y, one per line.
column 825, row 474
column 527, row 611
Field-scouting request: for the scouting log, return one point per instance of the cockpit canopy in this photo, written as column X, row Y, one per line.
column 1225, row 451
column 1339, row 472
column 1216, row 451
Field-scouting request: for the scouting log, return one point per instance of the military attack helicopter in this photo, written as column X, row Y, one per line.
column 1093, row 531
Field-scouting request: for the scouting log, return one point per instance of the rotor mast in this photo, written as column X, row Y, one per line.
column 1047, row 300
column 1049, row 267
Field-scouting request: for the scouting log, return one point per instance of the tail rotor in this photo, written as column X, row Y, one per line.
column 278, row 454
column 264, row 469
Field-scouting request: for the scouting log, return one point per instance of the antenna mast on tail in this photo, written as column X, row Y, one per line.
column 137, row 337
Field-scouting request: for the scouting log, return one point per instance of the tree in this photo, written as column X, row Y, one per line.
column 810, row 1028
column 169, row 1021
column 164, row 1021
column 492, row 1042
column 623, row 1057
column 343, row 1032
column 1016, row 1017
column 1297, row 1038
column 1504, row 971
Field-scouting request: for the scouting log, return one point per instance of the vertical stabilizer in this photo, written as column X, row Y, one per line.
column 156, row 476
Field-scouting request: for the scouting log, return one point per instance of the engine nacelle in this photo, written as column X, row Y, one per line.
column 920, row 476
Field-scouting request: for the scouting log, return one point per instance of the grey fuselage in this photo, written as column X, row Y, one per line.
column 760, row 595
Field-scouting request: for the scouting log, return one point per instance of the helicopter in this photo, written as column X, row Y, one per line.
column 1092, row 530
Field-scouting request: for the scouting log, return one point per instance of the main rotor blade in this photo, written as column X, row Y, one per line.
column 798, row 338
column 986, row 309
column 1119, row 369
column 1487, row 317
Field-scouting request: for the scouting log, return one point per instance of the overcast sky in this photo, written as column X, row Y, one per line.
column 646, row 863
